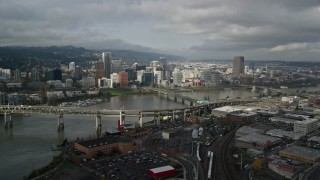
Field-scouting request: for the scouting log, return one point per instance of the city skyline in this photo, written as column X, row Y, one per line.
column 286, row 30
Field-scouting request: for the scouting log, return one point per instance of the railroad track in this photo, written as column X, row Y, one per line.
column 221, row 159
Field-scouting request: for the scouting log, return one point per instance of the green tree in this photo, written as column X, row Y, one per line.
column 257, row 165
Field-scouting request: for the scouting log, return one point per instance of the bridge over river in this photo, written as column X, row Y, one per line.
column 7, row 110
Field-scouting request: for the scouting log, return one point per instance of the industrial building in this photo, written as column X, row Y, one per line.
column 242, row 117
column 256, row 141
column 245, row 130
column 282, row 133
column 303, row 154
column 306, row 126
column 223, row 111
column 283, row 120
column 91, row 148
column 163, row 171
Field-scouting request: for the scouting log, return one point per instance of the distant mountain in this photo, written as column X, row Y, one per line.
column 51, row 56
column 143, row 56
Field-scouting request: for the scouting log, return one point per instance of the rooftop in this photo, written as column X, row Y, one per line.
column 227, row 109
column 248, row 130
column 315, row 138
column 258, row 139
column 307, row 121
column 283, row 133
column 162, row 169
column 102, row 141
column 307, row 152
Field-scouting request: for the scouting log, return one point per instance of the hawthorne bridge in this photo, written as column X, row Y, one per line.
column 7, row 110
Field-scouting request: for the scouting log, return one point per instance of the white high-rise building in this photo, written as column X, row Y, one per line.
column 72, row 65
column 105, row 83
column 206, row 75
column 139, row 75
column 177, row 77
column 158, row 77
column 115, row 78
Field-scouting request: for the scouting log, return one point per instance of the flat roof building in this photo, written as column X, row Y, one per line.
column 306, row 126
column 245, row 130
column 301, row 154
column 91, row 148
column 163, row 171
column 282, row 133
column 256, row 141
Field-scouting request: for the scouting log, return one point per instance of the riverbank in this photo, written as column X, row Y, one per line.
column 38, row 173
column 124, row 91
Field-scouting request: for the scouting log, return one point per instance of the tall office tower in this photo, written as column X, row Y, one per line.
column 100, row 70
column 238, row 65
column 16, row 75
column 77, row 73
column 106, row 59
column 35, row 75
column 116, row 66
column 163, row 60
column 72, row 65
column 123, row 79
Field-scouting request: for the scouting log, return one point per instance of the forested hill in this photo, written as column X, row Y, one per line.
column 27, row 57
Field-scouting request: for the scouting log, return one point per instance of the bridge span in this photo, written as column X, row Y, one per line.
column 196, row 108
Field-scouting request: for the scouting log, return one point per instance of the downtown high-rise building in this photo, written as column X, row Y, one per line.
column 238, row 65
column 72, row 66
column 106, row 59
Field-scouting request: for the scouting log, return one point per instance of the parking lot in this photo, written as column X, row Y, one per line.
column 133, row 165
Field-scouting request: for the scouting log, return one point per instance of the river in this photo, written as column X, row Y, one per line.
column 28, row 144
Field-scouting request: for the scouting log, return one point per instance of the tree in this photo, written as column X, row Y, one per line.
column 257, row 164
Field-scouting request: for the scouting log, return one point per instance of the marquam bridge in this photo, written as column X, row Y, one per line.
column 194, row 108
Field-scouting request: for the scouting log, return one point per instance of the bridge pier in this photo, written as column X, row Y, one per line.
column 7, row 122
column 140, row 119
column 60, row 123
column 98, row 126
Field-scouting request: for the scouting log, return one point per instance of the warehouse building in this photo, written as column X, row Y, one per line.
column 245, row 130
column 303, row 154
column 256, row 141
column 282, row 133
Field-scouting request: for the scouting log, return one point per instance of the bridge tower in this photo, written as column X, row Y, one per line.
column 185, row 115
column 60, row 123
column 140, row 119
column 7, row 122
column 98, row 126
column 122, row 117
column 173, row 116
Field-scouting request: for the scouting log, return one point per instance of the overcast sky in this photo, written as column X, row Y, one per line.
column 215, row 29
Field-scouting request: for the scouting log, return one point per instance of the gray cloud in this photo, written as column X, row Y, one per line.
column 274, row 29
